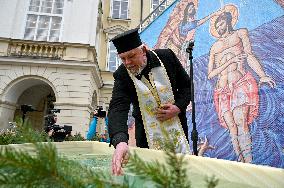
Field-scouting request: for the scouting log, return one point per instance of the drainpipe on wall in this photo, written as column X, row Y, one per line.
column 141, row 12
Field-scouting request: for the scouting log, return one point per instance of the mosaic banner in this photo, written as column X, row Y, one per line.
column 239, row 70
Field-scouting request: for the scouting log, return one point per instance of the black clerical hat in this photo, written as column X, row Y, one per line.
column 127, row 41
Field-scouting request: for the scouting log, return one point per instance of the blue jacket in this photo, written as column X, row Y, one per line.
column 92, row 129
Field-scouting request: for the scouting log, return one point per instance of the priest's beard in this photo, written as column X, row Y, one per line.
column 138, row 71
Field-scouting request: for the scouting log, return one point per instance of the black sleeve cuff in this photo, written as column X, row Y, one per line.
column 119, row 137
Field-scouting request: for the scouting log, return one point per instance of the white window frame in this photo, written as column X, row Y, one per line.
column 50, row 15
column 119, row 17
column 118, row 61
column 153, row 8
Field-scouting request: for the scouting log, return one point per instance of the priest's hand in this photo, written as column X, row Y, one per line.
column 120, row 158
column 167, row 111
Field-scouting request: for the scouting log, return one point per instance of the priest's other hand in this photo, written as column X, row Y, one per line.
column 167, row 111
column 120, row 158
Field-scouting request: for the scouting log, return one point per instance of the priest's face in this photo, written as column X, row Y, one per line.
column 134, row 60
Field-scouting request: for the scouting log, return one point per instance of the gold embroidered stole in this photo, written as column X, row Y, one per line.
column 151, row 95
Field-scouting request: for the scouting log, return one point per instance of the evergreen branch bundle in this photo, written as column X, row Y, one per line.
column 42, row 169
column 211, row 182
column 171, row 175
column 25, row 133
column 45, row 168
column 154, row 172
column 22, row 133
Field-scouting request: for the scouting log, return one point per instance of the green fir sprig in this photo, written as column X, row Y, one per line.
column 46, row 168
column 173, row 174
column 22, row 133
column 211, row 182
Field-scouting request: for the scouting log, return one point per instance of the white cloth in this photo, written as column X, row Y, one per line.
column 151, row 95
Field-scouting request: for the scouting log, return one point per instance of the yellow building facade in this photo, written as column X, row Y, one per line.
column 56, row 54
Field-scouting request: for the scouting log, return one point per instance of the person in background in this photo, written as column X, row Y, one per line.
column 93, row 127
column 98, row 127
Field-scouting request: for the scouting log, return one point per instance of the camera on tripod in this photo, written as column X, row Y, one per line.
column 100, row 112
column 57, row 132
column 55, row 111
column 26, row 108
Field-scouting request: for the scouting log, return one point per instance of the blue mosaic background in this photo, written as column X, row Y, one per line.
column 265, row 22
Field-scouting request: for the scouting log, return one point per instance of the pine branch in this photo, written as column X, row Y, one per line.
column 154, row 171
column 172, row 175
column 101, row 179
column 45, row 168
column 211, row 182
column 22, row 133
column 175, row 161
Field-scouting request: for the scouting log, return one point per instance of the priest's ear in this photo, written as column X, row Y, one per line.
column 145, row 47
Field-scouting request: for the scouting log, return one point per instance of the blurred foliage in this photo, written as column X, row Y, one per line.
column 75, row 137
column 23, row 132
column 173, row 174
column 211, row 182
column 43, row 167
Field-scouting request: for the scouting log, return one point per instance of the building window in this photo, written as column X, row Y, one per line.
column 120, row 9
column 44, row 20
column 113, row 60
column 155, row 4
